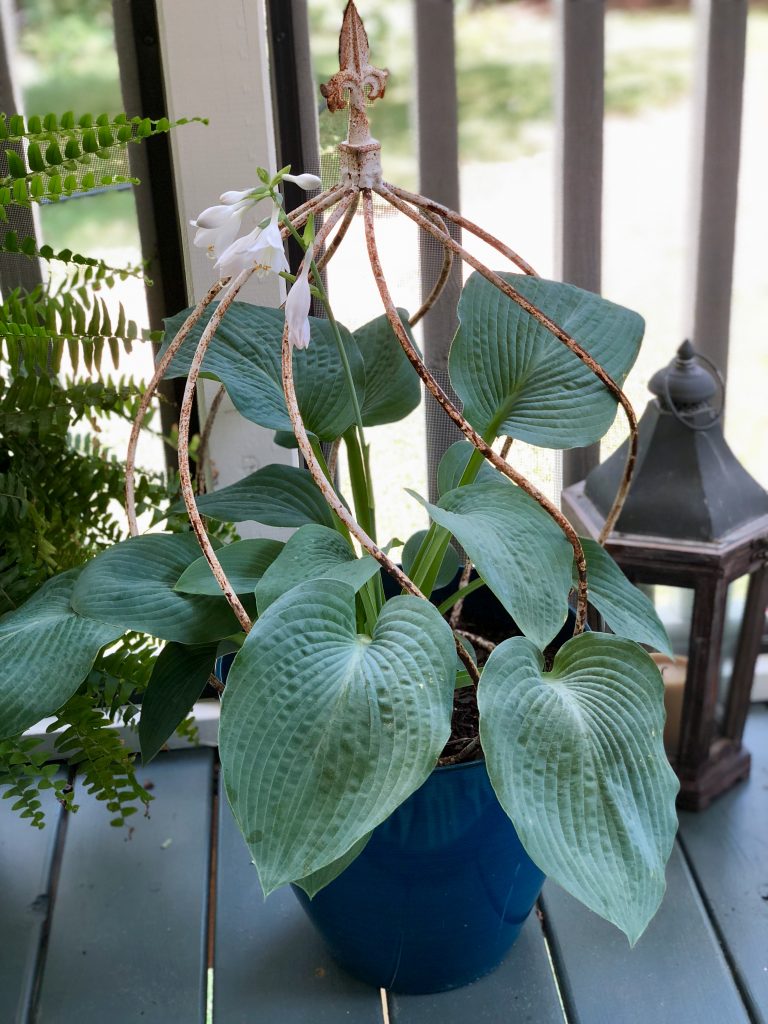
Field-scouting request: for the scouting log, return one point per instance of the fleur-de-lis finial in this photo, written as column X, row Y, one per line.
column 355, row 77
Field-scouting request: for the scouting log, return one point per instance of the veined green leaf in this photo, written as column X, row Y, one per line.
column 518, row 550
column 313, row 553
column 392, row 387
column 346, row 727
column 454, row 462
column 515, row 376
column 448, row 567
column 274, row 496
column 132, row 585
column 177, row 680
column 244, row 562
column 576, row 758
column 626, row 610
column 245, row 355
column 46, row 651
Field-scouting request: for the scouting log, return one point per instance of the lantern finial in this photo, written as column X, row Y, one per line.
column 356, row 77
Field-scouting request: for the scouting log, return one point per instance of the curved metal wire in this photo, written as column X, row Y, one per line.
column 555, row 330
column 469, row 432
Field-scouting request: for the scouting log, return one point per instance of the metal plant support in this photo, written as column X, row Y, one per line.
column 356, row 82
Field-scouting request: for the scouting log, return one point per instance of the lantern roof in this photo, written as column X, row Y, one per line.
column 688, row 484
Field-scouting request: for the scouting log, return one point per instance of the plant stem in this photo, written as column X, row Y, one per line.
column 342, row 529
column 470, row 588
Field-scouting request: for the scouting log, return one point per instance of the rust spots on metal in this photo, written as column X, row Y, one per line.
column 146, row 398
column 357, row 79
column 394, row 197
column 185, row 478
column 453, row 413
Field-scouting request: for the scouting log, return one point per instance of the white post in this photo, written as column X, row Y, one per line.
column 216, row 65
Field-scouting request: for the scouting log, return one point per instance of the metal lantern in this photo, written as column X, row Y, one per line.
column 694, row 518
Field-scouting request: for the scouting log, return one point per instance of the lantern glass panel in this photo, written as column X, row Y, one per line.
column 734, row 612
column 674, row 606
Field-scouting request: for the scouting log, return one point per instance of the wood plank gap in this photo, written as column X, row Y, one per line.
column 52, row 889
column 556, row 968
column 753, row 1012
column 212, row 863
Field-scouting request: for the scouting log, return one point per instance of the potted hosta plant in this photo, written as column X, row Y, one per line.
column 418, row 855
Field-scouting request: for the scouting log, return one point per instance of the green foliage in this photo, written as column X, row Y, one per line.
column 59, row 489
column 335, row 772
column 62, row 155
column 599, row 816
column 105, row 768
column 26, row 775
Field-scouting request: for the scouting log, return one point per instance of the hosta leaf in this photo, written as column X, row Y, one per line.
column 177, row 680
column 131, row 585
column 515, row 376
column 576, row 758
column 626, row 610
column 46, row 651
column 245, row 355
column 275, row 496
column 448, row 567
column 313, row 883
column 343, row 730
column 518, row 550
column 244, row 562
column 392, row 387
column 313, row 553
column 453, row 464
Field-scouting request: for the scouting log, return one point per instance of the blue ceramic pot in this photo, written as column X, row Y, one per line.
column 439, row 894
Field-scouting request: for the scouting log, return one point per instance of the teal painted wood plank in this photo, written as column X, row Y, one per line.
column 676, row 974
column 727, row 849
column 270, row 967
column 26, row 856
column 128, row 931
column 521, row 991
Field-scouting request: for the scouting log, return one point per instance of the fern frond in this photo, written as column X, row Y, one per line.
column 36, row 327
column 24, row 775
column 95, row 749
column 89, row 270
column 61, row 156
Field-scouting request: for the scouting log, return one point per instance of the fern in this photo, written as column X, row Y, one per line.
column 37, row 326
column 103, row 765
column 62, row 155
column 25, row 775
column 91, row 270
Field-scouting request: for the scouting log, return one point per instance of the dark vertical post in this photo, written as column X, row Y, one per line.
column 723, row 29
column 438, row 133
column 141, row 79
column 295, row 100
column 579, row 198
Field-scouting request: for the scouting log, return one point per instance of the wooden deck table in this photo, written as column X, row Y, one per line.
column 97, row 927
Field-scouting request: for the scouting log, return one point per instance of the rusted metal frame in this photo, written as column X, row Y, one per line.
column 301, row 214
column 442, row 280
column 205, row 436
column 555, row 330
column 455, row 616
column 146, row 398
column 185, row 478
column 340, row 235
column 430, row 206
column 469, row 432
column 326, row 489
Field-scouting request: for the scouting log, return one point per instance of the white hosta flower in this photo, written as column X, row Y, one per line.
column 305, row 181
column 262, row 247
column 297, row 306
column 218, row 226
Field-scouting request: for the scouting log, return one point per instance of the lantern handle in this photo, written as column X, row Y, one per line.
column 684, row 418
